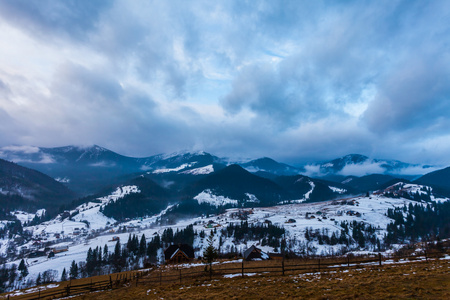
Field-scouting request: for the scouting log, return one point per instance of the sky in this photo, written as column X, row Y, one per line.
column 292, row 80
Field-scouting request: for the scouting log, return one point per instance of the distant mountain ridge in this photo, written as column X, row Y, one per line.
column 439, row 179
column 86, row 169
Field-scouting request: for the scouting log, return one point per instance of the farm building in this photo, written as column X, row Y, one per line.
column 180, row 253
column 60, row 249
column 255, row 253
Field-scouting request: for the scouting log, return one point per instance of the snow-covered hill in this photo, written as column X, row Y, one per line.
column 89, row 228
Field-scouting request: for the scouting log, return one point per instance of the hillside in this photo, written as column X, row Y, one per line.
column 27, row 189
column 367, row 183
column 302, row 188
column 270, row 166
column 439, row 179
column 240, row 185
column 149, row 199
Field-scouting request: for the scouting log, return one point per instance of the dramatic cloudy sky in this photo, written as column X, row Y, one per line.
column 293, row 80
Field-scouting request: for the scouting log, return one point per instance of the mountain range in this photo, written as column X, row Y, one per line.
column 195, row 181
column 85, row 169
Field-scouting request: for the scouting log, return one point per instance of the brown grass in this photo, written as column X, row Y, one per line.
column 82, row 281
column 405, row 281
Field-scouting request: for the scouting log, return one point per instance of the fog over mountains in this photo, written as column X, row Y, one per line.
column 86, row 169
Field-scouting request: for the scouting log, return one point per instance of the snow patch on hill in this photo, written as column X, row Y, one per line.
column 337, row 190
column 252, row 198
column 183, row 166
column 62, row 179
column 200, row 171
column 208, row 197
column 308, row 194
column 93, row 216
column 119, row 193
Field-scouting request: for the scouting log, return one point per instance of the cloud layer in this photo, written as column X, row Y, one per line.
column 292, row 80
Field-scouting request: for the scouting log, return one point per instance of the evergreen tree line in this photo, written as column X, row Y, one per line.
column 268, row 234
column 418, row 222
column 354, row 233
column 132, row 205
column 184, row 236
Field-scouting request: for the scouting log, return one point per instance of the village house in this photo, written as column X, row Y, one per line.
column 180, row 253
column 255, row 253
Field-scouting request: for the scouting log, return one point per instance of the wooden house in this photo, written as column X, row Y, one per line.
column 255, row 253
column 180, row 253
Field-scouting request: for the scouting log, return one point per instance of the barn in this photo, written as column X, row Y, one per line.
column 255, row 253
column 180, row 253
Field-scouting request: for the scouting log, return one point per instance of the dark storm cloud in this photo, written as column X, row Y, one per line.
column 415, row 96
column 87, row 85
column 289, row 79
column 123, row 119
column 273, row 97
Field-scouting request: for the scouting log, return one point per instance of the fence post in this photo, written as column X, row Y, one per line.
column 68, row 290
column 110, row 281
column 180, row 275
column 210, row 271
column 39, row 294
column 319, row 265
column 160, row 276
column 282, row 266
column 348, row 261
column 379, row 258
column 242, row 271
column 426, row 256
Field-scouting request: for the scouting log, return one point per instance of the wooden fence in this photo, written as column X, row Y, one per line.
column 281, row 267
column 77, row 289
column 174, row 275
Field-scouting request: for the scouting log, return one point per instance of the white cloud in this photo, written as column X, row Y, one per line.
column 362, row 169
column 23, row 149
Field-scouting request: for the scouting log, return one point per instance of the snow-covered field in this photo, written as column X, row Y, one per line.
column 295, row 218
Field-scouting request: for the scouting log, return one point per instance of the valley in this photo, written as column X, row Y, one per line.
column 188, row 197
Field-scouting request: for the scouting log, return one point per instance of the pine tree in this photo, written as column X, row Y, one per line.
column 105, row 254
column 210, row 253
column 142, row 246
column 73, row 272
column 135, row 245
column 90, row 263
column 99, row 258
column 23, row 269
column 117, row 257
column 129, row 243
column 64, row 275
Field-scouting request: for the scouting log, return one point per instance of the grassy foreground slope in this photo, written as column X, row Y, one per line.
column 413, row 280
